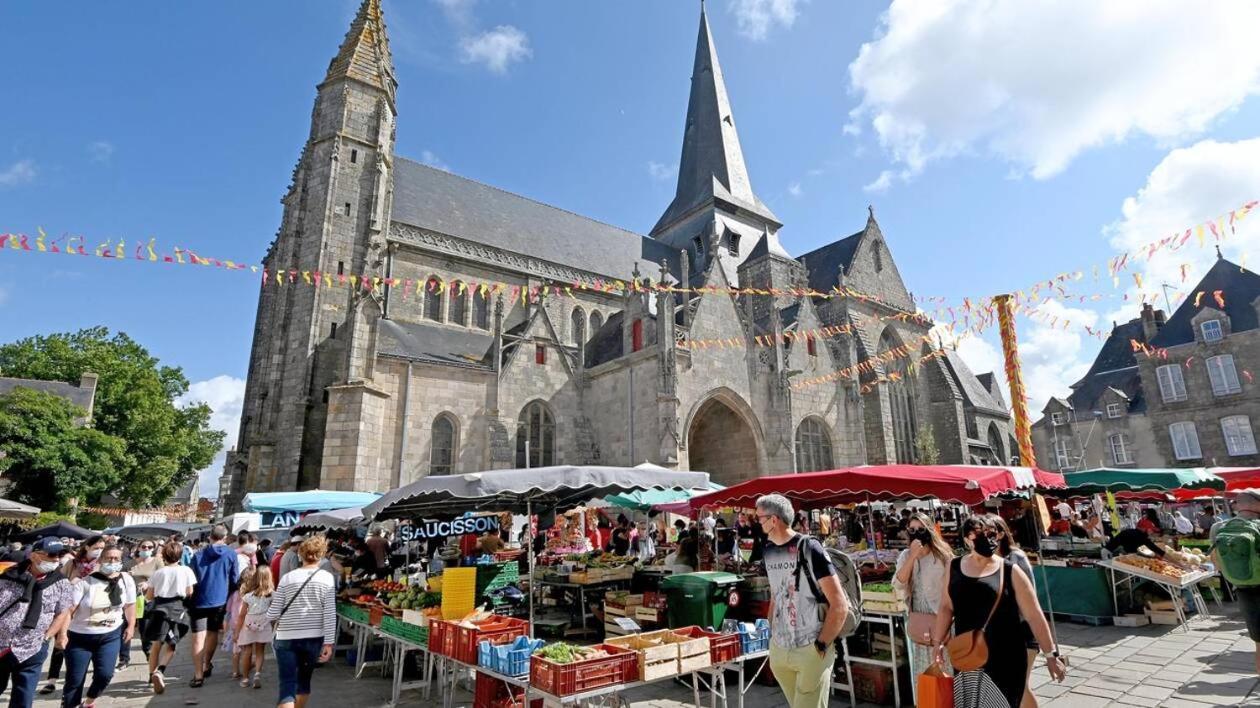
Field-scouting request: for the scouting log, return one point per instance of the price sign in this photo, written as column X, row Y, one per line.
column 628, row 624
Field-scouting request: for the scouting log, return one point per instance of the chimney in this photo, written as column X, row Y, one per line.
column 1152, row 320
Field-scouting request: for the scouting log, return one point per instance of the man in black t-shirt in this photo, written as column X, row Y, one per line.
column 1131, row 540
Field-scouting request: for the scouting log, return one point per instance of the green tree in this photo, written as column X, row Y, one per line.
column 49, row 459
column 925, row 450
column 136, row 397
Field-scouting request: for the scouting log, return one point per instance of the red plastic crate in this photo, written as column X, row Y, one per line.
column 655, row 600
column 442, row 637
column 620, row 666
column 496, row 630
column 722, row 647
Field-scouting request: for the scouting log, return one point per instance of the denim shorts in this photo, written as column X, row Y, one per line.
column 296, row 660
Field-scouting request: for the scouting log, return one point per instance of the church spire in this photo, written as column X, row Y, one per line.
column 712, row 165
column 364, row 54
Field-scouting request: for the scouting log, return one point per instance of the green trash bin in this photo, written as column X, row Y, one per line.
column 699, row 599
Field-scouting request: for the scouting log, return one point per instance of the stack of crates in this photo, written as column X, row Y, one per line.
column 620, row 604
column 493, row 576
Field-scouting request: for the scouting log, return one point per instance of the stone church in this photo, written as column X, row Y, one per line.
column 369, row 390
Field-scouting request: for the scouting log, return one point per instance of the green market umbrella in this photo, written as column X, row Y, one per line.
column 645, row 500
column 1106, row 479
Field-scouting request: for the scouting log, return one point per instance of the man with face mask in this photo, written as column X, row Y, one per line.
column 35, row 605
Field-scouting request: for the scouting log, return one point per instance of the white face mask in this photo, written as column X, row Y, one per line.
column 249, row 548
column 48, row 566
column 94, row 553
column 111, row 568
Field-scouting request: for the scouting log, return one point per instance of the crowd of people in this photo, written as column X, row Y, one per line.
column 82, row 602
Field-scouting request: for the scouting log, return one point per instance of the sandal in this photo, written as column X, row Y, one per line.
column 48, row 688
column 245, row 682
column 209, row 671
column 257, row 680
column 197, row 683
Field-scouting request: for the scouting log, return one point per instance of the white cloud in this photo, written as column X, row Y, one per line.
column 20, row 172
column 458, row 12
column 660, row 171
column 1188, row 187
column 101, row 151
column 755, row 18
column 497, row 48
column 795, row 189
column 226, row 397
column 881, row 183
column 1037, row 82
column 432, row 160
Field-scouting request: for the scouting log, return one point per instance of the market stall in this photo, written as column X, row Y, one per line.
column 16, row 510
column 286, row 509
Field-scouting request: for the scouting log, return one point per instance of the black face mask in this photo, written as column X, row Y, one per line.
column 923, row 536
column 984, row 546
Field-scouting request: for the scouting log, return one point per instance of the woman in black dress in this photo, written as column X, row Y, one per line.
column 971, row 588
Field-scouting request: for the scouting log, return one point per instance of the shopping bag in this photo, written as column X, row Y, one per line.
column 936, row 690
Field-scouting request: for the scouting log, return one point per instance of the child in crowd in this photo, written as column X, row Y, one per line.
column 230, row 623
column 253, row 632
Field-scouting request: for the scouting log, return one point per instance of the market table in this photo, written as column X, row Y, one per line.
column 1083, row 591
column 584, row 612
column 1173, row 586
column 400, row 648
column 363, row 634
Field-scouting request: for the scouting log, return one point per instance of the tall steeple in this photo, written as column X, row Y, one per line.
column 712, row 166
column 364, row 54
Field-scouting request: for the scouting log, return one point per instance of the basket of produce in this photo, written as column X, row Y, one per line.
column 1153, row 565
column 494, row 629
column 563, row 669
column 509, row 659
column 722, row 647
column 880, row 592
column 754, row 637
column 405, row 630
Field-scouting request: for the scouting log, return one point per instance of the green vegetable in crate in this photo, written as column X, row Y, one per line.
column 877, row 587
column 564, row 653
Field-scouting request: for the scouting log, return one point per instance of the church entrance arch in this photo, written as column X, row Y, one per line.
column 722, row 439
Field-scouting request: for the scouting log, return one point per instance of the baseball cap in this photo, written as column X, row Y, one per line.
column 49, row 545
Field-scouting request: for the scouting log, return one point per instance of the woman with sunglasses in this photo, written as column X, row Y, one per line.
column 921, row 574
column 144, row 564
column 985, row 592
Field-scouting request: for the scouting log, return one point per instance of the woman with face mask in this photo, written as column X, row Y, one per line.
column 104, row 618
column 921, row 575
column 985, row 593
column 80, row 565
column 1009, row 549
column 143, row 566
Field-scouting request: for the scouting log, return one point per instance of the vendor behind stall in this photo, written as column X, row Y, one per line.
column 1131, row 540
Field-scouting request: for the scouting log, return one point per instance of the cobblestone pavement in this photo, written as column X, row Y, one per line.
column 1212, row 665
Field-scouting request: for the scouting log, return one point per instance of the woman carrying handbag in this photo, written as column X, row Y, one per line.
column 921, row 576
column 983, row 599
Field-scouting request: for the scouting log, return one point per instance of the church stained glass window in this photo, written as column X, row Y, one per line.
column 813, row 446
column 442, row 452
column 459, row 305
column 536, row 436
column 433, row 300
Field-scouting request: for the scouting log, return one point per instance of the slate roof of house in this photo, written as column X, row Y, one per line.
column 439, row 201
column 1114, row 367
column 972, row 390
column 1239, row 287
column 435, row 343
column 75, row 395
column 822, row 264
column 989, row 381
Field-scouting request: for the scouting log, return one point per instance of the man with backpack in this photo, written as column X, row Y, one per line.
column 809, row 606
column 1236, row 551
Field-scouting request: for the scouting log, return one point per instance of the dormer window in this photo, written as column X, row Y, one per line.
column 733, row 244
column 1212, row 331
column 698, row 243
column 1114, row 410
column 1058, row 418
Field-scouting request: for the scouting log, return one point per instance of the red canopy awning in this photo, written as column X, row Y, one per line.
column 1236, row 478
column 964, row 484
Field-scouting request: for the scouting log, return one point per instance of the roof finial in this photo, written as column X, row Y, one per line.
column 1219, row 257
column 870, row 209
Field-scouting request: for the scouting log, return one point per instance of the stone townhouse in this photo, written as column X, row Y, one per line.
column 1184, row 396
column 350, row 389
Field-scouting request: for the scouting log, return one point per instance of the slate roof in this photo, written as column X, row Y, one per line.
column 972, row 390
column 1114, row 367
column 606, row 344
column 991, row 385
column 424, row 341
column 439, row 201
column 1239, row 288
column 72, row 393
column 822, row 264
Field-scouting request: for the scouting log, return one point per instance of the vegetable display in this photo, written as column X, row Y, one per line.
column 565, row 653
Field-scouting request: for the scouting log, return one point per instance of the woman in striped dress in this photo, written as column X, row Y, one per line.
column 983, row 591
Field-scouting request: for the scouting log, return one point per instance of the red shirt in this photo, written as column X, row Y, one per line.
column 1145, row 524
column 275, row 567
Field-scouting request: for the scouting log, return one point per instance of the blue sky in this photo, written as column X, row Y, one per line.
column 1000, row 143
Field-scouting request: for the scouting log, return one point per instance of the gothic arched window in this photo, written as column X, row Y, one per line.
column 578, row 323
column 481, row 310
column 536, row 436
column 442, row 448
column 900, row 400
column 433, row 300
column 597, row 321
column 995, row 442
column 813, row 446
column 459, row 304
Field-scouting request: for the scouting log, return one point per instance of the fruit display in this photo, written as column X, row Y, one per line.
column 383, row 586
column 414, row 598
column 1154, row 565
column 1191, row 558
column 564, row 653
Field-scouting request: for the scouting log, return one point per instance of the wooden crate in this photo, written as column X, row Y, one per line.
column 647, row 614
column 693, row 652
column 657, row 652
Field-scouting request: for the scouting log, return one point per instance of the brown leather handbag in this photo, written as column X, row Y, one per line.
column 970, row 651
column 920, row 627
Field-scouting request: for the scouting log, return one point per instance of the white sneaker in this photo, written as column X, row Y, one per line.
column 158, row 681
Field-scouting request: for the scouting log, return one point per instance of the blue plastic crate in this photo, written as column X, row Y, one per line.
column 510, row 659
column 754, row 637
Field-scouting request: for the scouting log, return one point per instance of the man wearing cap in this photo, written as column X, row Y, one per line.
column 35, row 605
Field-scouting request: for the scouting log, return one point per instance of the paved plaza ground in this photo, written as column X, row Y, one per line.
column 1211, row 665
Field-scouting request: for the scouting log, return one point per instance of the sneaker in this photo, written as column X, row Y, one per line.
column 122, row 664
column 48, row 688
column 158, row 681
column 257, row 680
column 245, row 682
